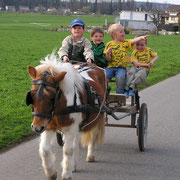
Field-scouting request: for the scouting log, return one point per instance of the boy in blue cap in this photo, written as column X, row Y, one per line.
column 75, row 46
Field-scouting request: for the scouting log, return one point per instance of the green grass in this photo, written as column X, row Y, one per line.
column 33, row 22
column 24, row 43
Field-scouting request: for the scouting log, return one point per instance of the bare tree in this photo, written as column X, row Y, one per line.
column 156, row 20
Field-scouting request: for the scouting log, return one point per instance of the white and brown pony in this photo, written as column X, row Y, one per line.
column 63, row 101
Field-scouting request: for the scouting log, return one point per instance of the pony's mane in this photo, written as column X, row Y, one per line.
column 54, row 65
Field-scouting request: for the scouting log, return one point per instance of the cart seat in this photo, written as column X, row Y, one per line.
column 117, row 97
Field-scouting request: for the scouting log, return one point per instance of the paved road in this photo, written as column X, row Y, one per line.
column 119, row 157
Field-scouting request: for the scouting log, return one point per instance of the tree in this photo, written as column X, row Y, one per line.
column 95, row 6
column 111, row 8
column 130, row 5
column 119, row 5
column 86, row 9
column 156, row 20
column 148, row 6
column 72, row 5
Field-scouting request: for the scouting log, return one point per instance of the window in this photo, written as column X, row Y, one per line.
column 146, row 17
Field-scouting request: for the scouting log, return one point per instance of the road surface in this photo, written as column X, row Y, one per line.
column 119, row 157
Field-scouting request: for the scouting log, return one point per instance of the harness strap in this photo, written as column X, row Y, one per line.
column 40, row 82
column 85, row 108
column 90, row 98
column 43, row 115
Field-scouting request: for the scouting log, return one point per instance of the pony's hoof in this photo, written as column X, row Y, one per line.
column 67, row 178
column 90, row 159
column 54, row 177
column 75, row 169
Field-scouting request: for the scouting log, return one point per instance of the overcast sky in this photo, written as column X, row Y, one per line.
column 163, row 1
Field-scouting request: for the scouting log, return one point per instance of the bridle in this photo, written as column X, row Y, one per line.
column 42, row 85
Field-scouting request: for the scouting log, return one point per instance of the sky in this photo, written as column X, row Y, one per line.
column 177, row 2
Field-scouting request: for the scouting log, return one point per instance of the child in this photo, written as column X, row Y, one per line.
column 98, row 46
column 141, row 59
column 76, row 47
column 116, row 53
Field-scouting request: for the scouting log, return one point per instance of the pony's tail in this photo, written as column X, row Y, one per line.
column 96, row 134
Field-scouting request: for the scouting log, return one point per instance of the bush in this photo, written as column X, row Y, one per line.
column 128, row 30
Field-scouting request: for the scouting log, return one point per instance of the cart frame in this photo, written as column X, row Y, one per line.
column 118, row 103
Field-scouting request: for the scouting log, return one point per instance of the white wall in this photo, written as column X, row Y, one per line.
column 133, row 15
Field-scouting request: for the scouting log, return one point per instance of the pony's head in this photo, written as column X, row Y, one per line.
column 43, row 96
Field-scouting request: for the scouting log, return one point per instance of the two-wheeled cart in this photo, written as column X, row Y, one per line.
column 118, row 107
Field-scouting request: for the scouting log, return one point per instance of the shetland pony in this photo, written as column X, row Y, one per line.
column 63, row 101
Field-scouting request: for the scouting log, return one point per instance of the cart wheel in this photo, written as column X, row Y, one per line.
column 142, row 127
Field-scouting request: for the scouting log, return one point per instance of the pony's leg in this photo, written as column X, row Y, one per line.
column 93, row 137
column 67, row 162
column 47, row 156
column 76, row 152
column 91, row 148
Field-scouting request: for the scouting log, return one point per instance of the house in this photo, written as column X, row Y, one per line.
column 51, row 10
column 172, row 14
column 79, row 12
column 66, row 11
column 10, row 8
column 170, row 18
column 137, row 20
column 24, row 8
column 39, row 9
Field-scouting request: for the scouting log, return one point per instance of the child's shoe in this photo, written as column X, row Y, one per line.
column 127, row 94
column 131, row 93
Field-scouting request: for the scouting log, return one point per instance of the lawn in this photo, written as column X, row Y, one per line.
column 26, row 39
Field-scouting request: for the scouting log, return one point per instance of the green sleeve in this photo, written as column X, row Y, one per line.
column 99, row 57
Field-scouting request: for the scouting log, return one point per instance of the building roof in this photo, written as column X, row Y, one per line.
column 173, row 8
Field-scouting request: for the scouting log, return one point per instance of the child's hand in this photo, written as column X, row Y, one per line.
column 137, row 39
column 89, row 61
column 108, row 54
column 144, row 37
column 65, row 59
column 109, row 50
column 147, row 65
column 151, row 64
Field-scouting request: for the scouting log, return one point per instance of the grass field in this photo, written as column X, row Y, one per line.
column 25, row 39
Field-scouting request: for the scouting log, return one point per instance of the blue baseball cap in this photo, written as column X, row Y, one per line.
column 77, row 22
